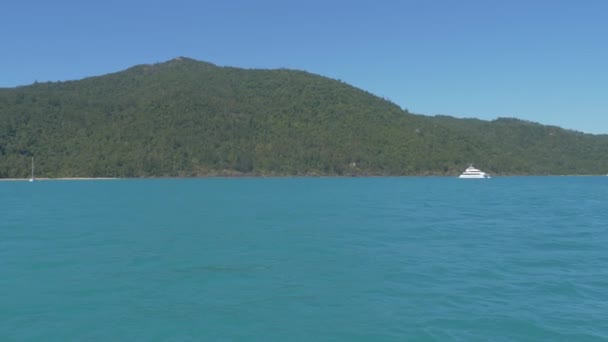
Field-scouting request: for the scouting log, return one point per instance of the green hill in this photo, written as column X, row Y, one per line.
column 190, row 118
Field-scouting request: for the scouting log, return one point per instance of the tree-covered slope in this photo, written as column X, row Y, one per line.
column 189, row 118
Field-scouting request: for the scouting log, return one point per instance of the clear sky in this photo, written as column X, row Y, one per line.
column 539, row 60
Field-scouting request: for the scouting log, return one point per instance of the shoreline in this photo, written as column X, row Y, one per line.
column 53, row 179
column 273, row 176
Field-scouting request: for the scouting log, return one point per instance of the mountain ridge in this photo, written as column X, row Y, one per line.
column 184, row 117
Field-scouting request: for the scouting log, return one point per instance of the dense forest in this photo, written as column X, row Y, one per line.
column 190, row 118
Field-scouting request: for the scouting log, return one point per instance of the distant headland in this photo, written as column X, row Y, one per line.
column 185, row 118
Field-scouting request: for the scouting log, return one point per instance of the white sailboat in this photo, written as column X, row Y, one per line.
column 32, row 178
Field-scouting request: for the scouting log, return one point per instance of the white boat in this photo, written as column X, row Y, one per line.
column 472, row 172
column 33, row 178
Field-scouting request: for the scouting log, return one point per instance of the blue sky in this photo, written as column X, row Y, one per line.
column 539, row 60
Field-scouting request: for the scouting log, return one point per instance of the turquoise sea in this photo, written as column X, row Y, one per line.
column 305, row 259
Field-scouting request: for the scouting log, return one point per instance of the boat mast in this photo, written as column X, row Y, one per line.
column 32, row 167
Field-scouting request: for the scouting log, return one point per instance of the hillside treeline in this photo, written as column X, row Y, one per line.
column 190, row 118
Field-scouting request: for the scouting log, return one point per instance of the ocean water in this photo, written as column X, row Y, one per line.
column 305, row 259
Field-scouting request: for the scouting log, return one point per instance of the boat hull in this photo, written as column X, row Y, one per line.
column 474, row 176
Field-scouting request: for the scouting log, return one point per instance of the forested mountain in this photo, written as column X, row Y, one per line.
column 190, row 118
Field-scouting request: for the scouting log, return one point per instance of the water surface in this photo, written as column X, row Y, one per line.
column 300, row 259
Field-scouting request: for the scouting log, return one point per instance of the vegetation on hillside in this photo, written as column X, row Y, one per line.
column 190, row 118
